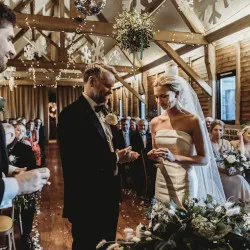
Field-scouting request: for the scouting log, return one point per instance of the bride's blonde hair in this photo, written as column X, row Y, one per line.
column 170, row 82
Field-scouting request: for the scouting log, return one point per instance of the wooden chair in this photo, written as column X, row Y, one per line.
column 6, row 228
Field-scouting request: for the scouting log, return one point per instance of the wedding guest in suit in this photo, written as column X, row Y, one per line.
column 41, row 135
column 32, row 136
column 142, row 170
column 29, row 181
column 123, row 140
column 235, row 186
column 118, row 125
column 89, row 161
column 132, row 125
column 22, row 156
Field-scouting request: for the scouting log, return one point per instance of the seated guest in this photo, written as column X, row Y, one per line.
column 22, row 120
column 132, row 125
column 208, row 120
column 12, row 121
column 22, row 156
column 118, row 125
column 41, row 132
column 33, row 137
column 143, row 171
column 235, row 186
column 123, row 141
column 243, row 144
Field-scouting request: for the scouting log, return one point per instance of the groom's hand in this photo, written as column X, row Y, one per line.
column 126, row 155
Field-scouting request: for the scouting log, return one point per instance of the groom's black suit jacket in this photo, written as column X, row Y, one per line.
column 88, row 168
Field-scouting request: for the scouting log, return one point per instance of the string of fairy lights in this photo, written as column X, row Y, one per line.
column 70, row 64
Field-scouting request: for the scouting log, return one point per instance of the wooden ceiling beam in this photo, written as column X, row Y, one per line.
column 229, row 29
column 32, row 8
column 189, row 17
column 187, row 69
column 19, row 53
column 72, row 83
column 58, row 65
column 44, row 75
column 98, row 28
column 75, row 41
column 22, row 4
column 180, row 37
column 153, row 6
column 20, row 34
column 48, row 39
column 181, row 51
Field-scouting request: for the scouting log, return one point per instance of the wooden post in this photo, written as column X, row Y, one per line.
column 62, row 51
column 210, row 61
column 238, row 82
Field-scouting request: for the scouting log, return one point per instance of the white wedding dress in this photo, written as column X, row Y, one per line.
column 174, row 181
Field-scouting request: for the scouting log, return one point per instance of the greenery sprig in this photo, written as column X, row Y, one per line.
column 133, row 31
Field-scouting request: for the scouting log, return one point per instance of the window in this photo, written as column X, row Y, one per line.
column 226, row 96
column 142, row 108
column 120, row 107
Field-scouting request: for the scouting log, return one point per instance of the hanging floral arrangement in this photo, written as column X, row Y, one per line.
column 133, row 31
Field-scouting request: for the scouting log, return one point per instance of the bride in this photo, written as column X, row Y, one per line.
column 181, row 144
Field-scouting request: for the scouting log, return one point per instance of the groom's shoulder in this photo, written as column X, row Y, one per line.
column 72, row 109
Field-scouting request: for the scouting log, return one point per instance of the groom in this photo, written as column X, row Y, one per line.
column 89, row 162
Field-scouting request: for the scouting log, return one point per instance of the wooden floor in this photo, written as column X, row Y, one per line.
column 55, row 231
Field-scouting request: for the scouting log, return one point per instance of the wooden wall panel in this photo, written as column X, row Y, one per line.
column 225, row 59
column 245, row 81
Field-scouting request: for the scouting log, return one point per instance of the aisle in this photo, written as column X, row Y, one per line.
column 54, row 230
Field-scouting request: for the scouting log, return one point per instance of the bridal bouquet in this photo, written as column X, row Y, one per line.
column 198, row 225
column 235, row 163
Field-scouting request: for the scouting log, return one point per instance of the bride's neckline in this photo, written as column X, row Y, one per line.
column 174, row 130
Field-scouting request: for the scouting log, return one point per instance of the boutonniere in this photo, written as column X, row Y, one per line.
column 12, row 159
column 111, row 119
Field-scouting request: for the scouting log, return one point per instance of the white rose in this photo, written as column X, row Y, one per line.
column 147, row 233
column 218, row 209
column 111, row 119
column 231, row 159
column 171, row 212
column 129, row 237
column 228, row 204
column 243, row 158
column 135, row 239
column 246, row 165
column 11, row 158
column 128, row 230
column 233, row 211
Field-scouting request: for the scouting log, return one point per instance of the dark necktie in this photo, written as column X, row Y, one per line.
column 101, row 108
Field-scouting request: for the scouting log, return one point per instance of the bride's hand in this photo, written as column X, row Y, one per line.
column 169, row 156
column 164, row 153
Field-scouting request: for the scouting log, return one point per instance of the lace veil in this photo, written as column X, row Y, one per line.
column 209, row 181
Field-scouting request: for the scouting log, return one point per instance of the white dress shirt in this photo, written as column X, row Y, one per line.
column 105, row 126
column 126, row 138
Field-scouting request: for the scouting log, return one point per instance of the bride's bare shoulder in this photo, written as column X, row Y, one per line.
column 158, row 119
column 189, row 117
